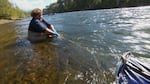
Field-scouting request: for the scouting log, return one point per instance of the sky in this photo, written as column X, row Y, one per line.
column 28, row 5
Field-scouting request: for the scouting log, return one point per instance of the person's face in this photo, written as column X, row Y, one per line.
column 40, row 16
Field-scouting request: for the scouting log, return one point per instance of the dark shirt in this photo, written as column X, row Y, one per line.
column 38, row 26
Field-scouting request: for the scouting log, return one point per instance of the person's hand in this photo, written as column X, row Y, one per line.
column 52, row 27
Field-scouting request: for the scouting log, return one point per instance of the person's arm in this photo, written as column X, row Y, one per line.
column 49, row 31
column 53, row 29
column 50, row 26
column 46, row 23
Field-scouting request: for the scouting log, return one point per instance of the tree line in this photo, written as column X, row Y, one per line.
column 8, row 11
column 78, row 5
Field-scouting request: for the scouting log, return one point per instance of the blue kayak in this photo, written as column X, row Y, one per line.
column 131, row 70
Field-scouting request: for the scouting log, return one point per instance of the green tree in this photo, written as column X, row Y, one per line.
column 75, row 5
column 7, row 11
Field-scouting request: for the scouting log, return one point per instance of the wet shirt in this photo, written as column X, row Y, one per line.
column 38, row 26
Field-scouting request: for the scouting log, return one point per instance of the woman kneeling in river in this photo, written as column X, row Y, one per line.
column 39, row 29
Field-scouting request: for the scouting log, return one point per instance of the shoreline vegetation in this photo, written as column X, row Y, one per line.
column 62, row 6
column 9, row 12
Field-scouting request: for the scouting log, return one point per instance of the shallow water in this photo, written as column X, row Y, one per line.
column 86, row 52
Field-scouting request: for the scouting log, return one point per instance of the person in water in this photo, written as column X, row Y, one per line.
column 39, row 29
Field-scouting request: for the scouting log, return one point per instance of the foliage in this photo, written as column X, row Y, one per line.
column 10, row 12
column 75, row 5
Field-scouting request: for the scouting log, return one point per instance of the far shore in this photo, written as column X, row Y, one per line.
column 4, row 21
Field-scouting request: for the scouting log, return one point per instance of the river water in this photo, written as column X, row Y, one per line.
column 86, row 52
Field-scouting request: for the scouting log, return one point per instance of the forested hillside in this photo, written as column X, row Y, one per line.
column 76, row 5
column 8, row 11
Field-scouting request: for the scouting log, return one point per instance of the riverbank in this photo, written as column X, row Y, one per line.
column 4, row 21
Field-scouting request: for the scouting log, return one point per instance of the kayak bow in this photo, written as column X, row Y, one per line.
column 132, row 71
